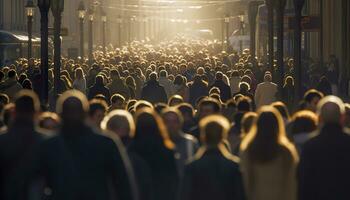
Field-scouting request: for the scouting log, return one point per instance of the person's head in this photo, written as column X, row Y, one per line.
column 311, row 99
column 119, row 122
column 49, row 121
column 289, row 81
column 173, row 120
column 187, row 111
column 27, row 84
column 303, row 121
column 153, row 76
column 247, row 122
column 163, row 74
column 213, row 130
column 175, row 100
column 114, row 74
column 267, row 138
column 244, row 104
column 4, row 99
column 214, row 90
column 97, row 111
column 11, row 74
column 267, row 77
column 130, row 81
column 150, row 130
column 282, row 109
column 117, row 101
column 244, row 87
column 219, row 76
column 208, row 106
column 27, row 105
column 79, row 73
column 99, row 80
column 235, row 74
column 179, row 80
column 331, row 110
column 159, row 107
column 142, row 104
column 73, row 107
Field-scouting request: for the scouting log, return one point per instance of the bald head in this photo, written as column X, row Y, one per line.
column 331, row 110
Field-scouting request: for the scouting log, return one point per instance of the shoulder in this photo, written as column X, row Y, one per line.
column 189, row 137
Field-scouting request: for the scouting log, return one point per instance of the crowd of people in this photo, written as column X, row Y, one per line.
column 178, row 120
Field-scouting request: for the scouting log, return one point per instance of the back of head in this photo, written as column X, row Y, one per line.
column 267, row 77
column 26, row 104
column 119, row 119
column 150, row 129
column 264, row 143
column 304, row 121
column 153, row 76
column 163, row 73
column 331, row 110
column 214, row 130
column 72, row 106
column 219, row 75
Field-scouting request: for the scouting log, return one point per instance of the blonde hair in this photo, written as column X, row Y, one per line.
column 262, row 146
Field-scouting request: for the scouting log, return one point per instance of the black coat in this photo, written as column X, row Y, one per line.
column 198, row 89
column 324, row 169
column 99, row 89
column 212, row 176
column 19, row 148
column 225, row 90
column 162, row 165
column 154, row 93
column 79, row 164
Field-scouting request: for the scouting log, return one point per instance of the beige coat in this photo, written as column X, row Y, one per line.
column 265, row 94
column 274, row 180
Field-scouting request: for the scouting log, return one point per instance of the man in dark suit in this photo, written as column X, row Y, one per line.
column 80, row 164
column 214, row 172
column 19, row 147
column 153, row 92
column 225, row 90
column 324, row 169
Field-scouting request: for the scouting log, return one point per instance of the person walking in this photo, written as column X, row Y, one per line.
column 268, row 159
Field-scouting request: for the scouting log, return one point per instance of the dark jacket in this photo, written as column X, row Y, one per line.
column 118, row 86
column 225, row 90
column 80, row 164
column 19, row 148
column 198, row 89
column 324, row 166
column 162, row 165
column 212, row 176
column 99, row 89
column 154, row 93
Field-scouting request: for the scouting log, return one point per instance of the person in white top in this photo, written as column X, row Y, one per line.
column 266, row 91
column 166, row 83
column 79, row 82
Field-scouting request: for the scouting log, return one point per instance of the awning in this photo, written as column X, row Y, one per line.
column 7, row 37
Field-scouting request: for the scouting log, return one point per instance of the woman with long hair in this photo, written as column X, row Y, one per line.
column 79, row 82
column 268, row 159
column 152, row 144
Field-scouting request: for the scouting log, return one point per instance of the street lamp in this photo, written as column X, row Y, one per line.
column 44, row 6
column 104, row 22
column 90, row 47
column 81, row 14
column 30, row 13
column 242, row 27
column 57, row 7
column 227, row 22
